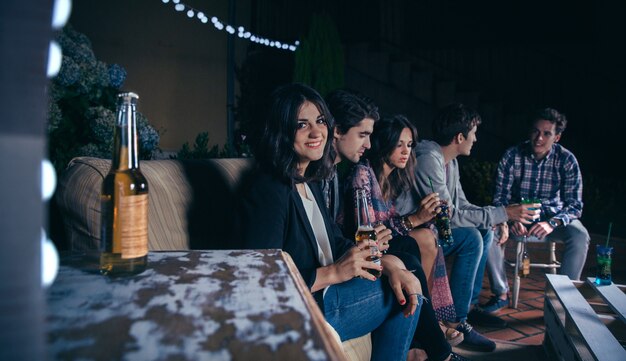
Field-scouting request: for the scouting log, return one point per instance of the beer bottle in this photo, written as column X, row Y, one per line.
column 365, row 231
column 525, row 271
column 124, row 199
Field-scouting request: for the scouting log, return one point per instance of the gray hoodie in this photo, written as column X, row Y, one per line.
column 446, row 182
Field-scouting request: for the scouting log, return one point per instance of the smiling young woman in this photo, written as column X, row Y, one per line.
column 283, row 208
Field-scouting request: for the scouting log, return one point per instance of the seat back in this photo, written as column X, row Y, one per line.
column 191, row 202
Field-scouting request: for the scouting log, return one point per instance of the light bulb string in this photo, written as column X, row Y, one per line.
column 241, row 31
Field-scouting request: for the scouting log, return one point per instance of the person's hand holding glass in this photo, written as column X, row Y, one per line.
column 525, row 216
column 530, row 227
column 383, row 236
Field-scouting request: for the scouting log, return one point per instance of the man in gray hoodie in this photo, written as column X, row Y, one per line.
column 454, row 134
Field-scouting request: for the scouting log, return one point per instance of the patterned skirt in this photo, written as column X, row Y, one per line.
column 440, row 294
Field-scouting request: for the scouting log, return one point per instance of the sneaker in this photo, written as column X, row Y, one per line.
column 494, row 304
column 456, row 357
column 474, row 340
column 479, row 317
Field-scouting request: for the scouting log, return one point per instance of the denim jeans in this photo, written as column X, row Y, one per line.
column 466, row 278
column 357, row 307
column 576, row 240
column 496, row 270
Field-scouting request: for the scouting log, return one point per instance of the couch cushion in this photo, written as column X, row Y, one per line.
column 358, row 349
column 190, row 202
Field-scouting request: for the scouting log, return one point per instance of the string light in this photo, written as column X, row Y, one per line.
column 55, row 57
column 242, row 33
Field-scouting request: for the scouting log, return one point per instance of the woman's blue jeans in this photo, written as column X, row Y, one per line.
column 466, row 279
column 357, row 307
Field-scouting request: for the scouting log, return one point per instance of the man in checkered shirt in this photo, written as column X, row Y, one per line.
column 540, row 168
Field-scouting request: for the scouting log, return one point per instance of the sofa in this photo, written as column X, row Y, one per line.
column 191, row 206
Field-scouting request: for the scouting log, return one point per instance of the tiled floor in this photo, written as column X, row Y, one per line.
column 525, row 324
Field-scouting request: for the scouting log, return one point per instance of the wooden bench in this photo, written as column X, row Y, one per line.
column 584, row 321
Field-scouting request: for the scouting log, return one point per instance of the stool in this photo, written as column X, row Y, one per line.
column 552, row 264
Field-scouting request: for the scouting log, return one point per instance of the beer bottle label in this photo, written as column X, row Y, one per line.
column 526, row 266
column 133, row 221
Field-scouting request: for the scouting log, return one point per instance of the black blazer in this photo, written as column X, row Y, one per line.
column 273, row 216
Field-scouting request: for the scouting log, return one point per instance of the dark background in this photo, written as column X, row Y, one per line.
column 522, row 55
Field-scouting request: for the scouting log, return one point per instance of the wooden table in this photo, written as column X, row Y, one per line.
column 188, row 305
column 584, row 321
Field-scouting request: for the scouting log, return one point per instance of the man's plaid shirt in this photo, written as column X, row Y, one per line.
column 555, row 179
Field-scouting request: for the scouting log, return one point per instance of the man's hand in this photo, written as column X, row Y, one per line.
column 540, row 230
column 523, row 212
column 503, row 229
column 518, row 229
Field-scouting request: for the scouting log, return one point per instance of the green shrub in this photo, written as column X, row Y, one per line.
column 82, row 101
column 478, row 180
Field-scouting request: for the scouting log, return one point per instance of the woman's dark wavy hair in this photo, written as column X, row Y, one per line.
column 274, row 149
column 384, row 141
column 452, row 120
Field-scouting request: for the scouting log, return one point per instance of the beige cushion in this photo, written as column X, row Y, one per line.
column 358, row 349
column 190, row 202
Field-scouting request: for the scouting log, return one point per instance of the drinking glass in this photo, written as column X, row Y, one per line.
column 603, row 260
column 525, row 259
column 531, row 201
column 442, row 222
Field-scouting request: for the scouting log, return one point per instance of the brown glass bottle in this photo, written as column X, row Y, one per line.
column 124, row 199
column 525, row 267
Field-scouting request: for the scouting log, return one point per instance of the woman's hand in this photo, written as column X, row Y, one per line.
column 383, row 236
column 429, row 206
column 352, row 264
column 404, row 284
column 407, row 289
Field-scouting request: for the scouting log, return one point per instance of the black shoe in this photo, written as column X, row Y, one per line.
column 494, row 304
column 474, row 340
column 479, row 317
column 456, row 357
